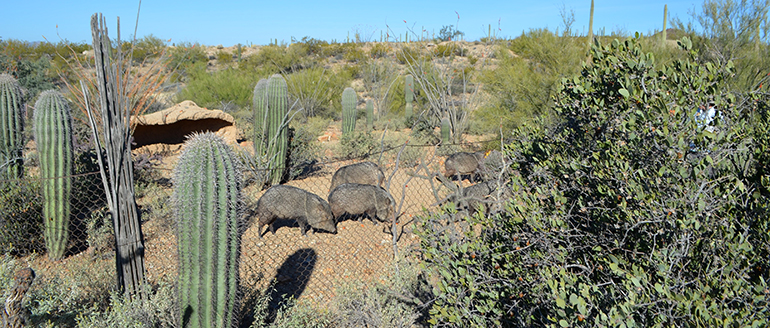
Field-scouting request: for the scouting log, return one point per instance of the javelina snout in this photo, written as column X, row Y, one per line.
column 357, row 199
column 363, row 173
column 464, row 163
column 287, row 202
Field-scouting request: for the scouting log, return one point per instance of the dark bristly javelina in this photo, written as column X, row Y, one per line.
column 363, row 173
column 464, row 163
column 356, row 199
column 484, row 194
column 287, row 202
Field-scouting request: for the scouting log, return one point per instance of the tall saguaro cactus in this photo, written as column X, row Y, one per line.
column 11, row 128
column 409, row 95
column 445, row 131
column 53, row 137
column 207, row 204
column 260, row 119
column 349, row 100
column 271, row 115
column 591, row 25
column 665, row 18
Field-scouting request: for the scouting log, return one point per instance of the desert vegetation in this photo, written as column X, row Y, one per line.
column 547, row 180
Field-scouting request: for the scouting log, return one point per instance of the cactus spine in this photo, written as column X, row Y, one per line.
column 349, row 100
column 445, row 131
column 11, row 128
column 259, row 104
column 53, row 136
column 409, row 94
column 369, row 114
column 207, row 199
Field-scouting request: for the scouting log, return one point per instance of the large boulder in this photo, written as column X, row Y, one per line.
column 172, row 125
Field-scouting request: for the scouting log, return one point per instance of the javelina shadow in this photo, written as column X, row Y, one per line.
column 292, row 278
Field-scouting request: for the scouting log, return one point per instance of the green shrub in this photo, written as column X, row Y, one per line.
column 357, row 145
column 158, row 311
column 379, row 50
column 148, row 47
column 224, row 57
column 218, row 89
column 408, row 55
column 448, row 49
column 21, row 223
column 303, row 151
column 184, row 58
column 630, row 210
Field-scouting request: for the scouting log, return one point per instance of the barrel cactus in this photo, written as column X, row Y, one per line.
column 207, row 204
column 11, row 128
column 349, row 100
column 53, row 137
column 409, row 95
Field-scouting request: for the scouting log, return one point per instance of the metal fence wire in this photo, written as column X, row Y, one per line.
column 308, row 267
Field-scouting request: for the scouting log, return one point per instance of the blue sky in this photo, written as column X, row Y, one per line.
column 229, row 22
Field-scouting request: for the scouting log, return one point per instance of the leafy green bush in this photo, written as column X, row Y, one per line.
column 148, row 47
column 216, row 89
column 303, row 151
column 357, row 145
column 448, row 49
column 21, row 225
column 379, row 50
column 184, row 58
column 158, row 311
column 632, row 209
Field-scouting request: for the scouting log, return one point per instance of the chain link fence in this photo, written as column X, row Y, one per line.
column 306, row 267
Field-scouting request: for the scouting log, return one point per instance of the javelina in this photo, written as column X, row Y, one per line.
column 464, row 163
column 357, row 199
column 484, row 194
column 287, row 202
column 363, row 173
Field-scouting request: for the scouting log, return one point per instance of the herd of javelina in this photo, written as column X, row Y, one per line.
column 356, row 191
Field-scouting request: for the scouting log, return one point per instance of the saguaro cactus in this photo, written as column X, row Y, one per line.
column 207, row 203
column 271, row 114
column 260, row 119
column 445, row 131
column 53, row 136
column 349, row 100
column 11, row 128
column 408, row 94
column 369, row 114
column 665, row 18
column 591, row 25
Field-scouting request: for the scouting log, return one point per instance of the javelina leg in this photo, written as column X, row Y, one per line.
column 303, row 228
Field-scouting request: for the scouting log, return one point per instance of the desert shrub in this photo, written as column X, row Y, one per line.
column 355, row 54
column 148, row 47
column 224, row 57
column 379, row 50
column 273, row 59
column 303, row 151
column 448, row 49
column 398, row 299
column 21, row 225
column 33, row 74
column 184, row 58
column 213, row 90
column 59, row 299
column 408, row 55
column 357, row 145
column 630, row 210
column 156, row 312
column 311, row 91
column 522, row 88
